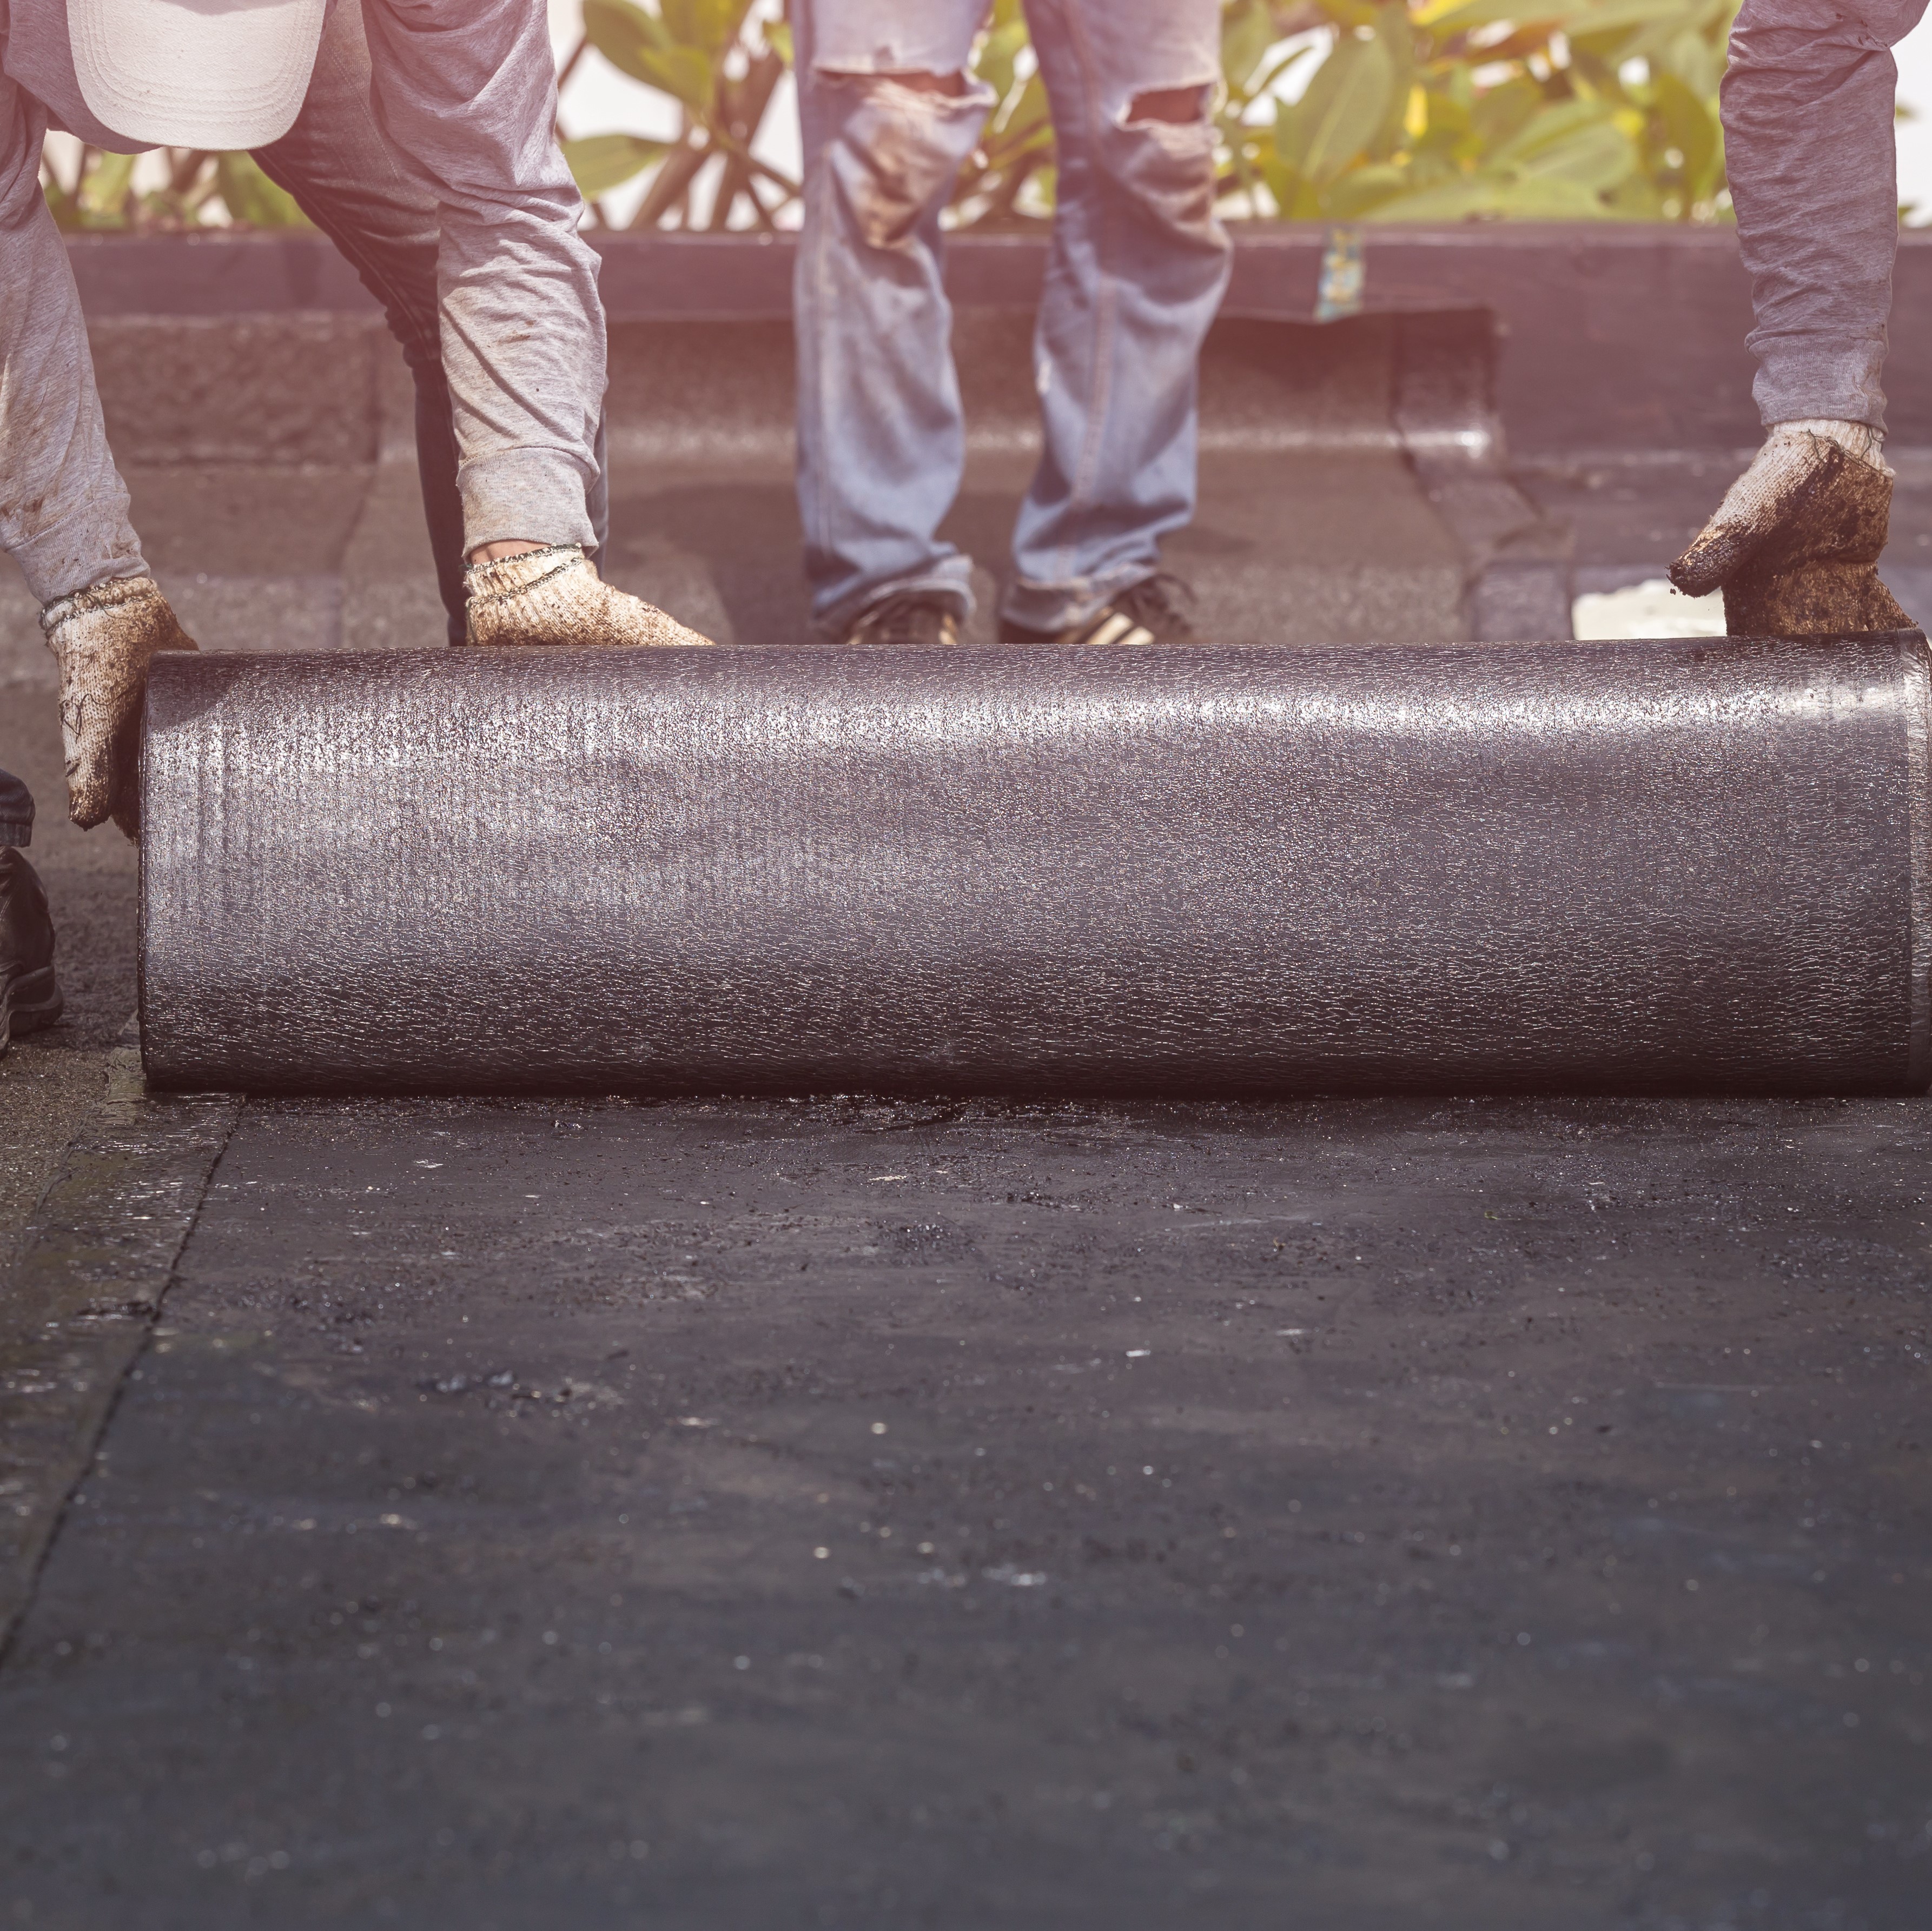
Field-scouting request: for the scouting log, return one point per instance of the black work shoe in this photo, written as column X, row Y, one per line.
column 1143, row 614
column 29, row 999
column 917, row 618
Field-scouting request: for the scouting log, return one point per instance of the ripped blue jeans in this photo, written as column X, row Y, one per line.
column 1138, row 266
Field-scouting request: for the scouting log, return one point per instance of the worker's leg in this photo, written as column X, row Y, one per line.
column 1138, row 264
column 335, row 163
column 1808, row 102
column 462, row 94
column 889, row 114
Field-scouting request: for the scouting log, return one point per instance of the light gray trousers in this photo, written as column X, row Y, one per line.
column 1808, row 103
column 464, row 99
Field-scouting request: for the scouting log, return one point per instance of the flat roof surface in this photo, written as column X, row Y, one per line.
column 1471, row 1513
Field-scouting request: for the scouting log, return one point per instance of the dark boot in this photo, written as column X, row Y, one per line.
column 29, row 998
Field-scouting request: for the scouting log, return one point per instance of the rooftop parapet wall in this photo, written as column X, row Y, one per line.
column 1614, row 338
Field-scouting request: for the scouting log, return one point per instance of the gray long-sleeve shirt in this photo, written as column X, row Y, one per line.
column 1808, row 103
column 463, row 95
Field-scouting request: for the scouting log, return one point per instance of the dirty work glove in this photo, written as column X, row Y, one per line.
column 1795, row 543
column 103, row 637
column 555, row 595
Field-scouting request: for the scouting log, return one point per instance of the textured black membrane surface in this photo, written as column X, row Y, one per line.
column 1630, row 865
column 1405, row 1515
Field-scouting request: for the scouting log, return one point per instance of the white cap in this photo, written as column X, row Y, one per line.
column 195, row 74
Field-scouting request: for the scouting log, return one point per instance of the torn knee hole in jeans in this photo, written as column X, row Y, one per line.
column 1167, row 158
column 1174, row 107
column 933, row 91
column 948, row 86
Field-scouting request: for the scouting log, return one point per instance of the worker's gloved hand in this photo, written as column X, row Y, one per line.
column 1795, row 543
column 555, row 595
column 103, row 637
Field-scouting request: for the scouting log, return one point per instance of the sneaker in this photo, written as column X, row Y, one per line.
column 1143, row 614
column 29, row 999
column 917, row 618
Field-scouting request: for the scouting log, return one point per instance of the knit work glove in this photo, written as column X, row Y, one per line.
column 555, row 595
column 104, row 637
column 1795, row 543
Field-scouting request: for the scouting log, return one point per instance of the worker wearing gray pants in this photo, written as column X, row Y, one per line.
column 1808, row 104
column 445, row 110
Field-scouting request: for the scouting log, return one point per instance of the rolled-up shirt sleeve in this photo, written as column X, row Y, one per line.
column 63, row 505
column 464, row 92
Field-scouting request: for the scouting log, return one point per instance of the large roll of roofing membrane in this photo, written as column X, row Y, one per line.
column 1597, row 866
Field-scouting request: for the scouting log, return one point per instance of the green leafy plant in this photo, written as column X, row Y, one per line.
column 720, row 61
column 1440, row 110
column 1449, row 109
column 97, row 190
column 1015, row 153
column 722, row 77
column 1405, row 110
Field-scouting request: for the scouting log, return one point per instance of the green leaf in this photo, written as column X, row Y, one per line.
column 602, row 162
column 1028, row 124
column 1362, row 189
column 1347, row 13
column 1496, row 195
column 1556, row 120
column 104, row 191
column 1636, row 199
column 709, row 25
column 1691, row 127
column 778, row 37
column 1606, row 15
column 1697, row 63
column 1393, row 32
column 1333, row 124
column 1294, row 198
column 1247, row 32
column 639, row 44
column 1444, row 19
column 998, row 54
column 1595, row 158
column 682, row 72
column 618, row 30
column 1451, row 116
column 1504, row 112
column 251, row 198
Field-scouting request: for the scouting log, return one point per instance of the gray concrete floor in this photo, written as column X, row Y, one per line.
column 1633, row 516
column 1468, row 1513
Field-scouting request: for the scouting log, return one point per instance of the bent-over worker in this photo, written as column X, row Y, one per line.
column 420, row 136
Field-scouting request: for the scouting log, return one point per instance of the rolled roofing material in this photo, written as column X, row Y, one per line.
column 1635, row 866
